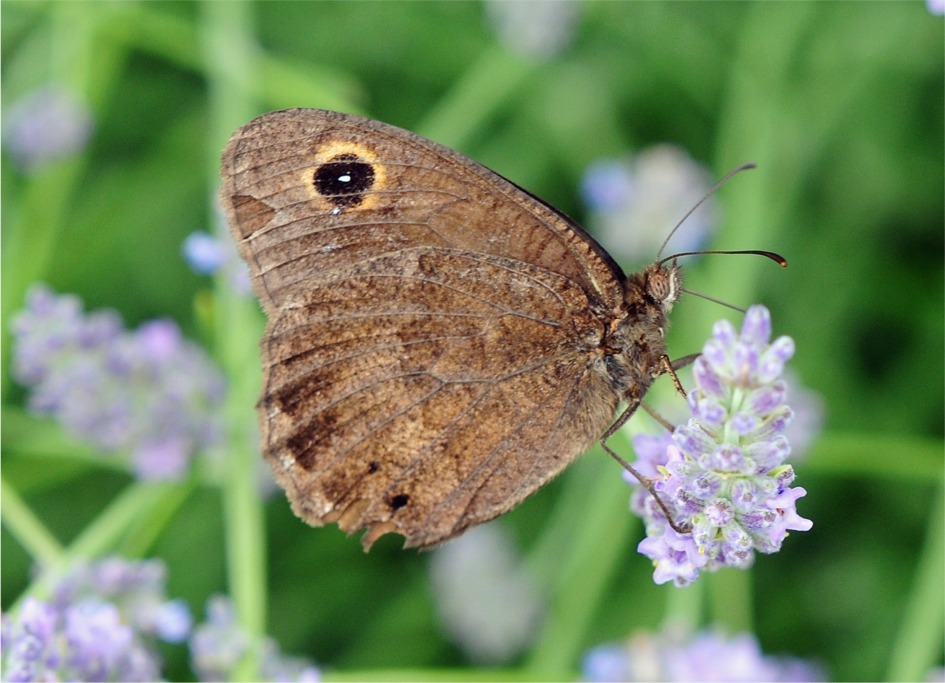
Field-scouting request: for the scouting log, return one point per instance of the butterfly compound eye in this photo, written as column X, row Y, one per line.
column 662, row 285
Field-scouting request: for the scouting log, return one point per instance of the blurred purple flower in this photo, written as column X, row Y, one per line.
column 722, row 473
column 47, row 124
column 485, row 599
column 97, row 640
column 203, row 252
column 705, row 656
column 809, row 416
column 607, row 663
column 101, row 624
column 935, row 6
column 218, row 644
column 634, row 203
column 607, row 185
column 539, row 29
column 207, row 255
column 149, row 392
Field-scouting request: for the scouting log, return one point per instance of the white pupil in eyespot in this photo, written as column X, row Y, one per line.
column 346, row 178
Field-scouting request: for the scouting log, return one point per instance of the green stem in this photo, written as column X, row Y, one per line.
column 226, row 31
column 841, row 454
column 26, row 527
column 136, row 503
column 596, row 548
column 685, row 606
column 729, row 592
column 918, row 642
column 276, row 81
column 750, row 125
column 145, row 530
column 475, row 97
column 39, row 212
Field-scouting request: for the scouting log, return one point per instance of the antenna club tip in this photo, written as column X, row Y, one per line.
column 776, row 257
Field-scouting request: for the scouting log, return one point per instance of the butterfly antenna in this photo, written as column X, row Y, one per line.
column 712, row 191
column 774, row 256
column 713, row 300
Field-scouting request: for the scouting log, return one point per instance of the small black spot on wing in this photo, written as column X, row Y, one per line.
column 398, row 501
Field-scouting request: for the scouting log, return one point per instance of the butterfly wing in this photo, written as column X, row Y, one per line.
column 432, row 355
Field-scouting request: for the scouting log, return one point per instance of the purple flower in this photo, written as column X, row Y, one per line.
column 203, row 252
column 171, row 621
column 96, row 638
column 47, row 124
column 722, row 474
column 485, row 600
column 218, row 644
column 207, row 255
column 634, row 203
column 809, row 414
column 607, row 185
column 276, row 666
column 539, row 29
column 148, row 392
column 709, row 656
column 607, row 664
column 101, row 624
column 705, row 656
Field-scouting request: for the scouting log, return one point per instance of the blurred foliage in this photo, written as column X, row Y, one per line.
column 841, row 106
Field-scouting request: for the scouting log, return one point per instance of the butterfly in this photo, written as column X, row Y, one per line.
column 440, row 342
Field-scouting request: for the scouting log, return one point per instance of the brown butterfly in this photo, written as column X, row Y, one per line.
column 441, row 343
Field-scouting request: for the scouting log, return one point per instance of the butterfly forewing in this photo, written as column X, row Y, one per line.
column 421, row 194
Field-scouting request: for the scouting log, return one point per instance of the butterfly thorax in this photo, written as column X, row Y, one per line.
column 635, row 346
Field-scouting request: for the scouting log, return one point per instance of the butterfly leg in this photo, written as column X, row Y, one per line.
column 652, row 412
column 670, row 368
column 646, row 482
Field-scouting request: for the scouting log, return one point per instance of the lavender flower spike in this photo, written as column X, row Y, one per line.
column 218, row 645
column 723, row 473
column 675, row 654
column 102, row 623
column 149, row 392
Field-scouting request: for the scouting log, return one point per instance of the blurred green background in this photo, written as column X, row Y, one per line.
column 840, row 105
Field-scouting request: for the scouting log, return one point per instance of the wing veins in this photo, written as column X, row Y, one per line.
column 492, row 455
column 361, row 350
